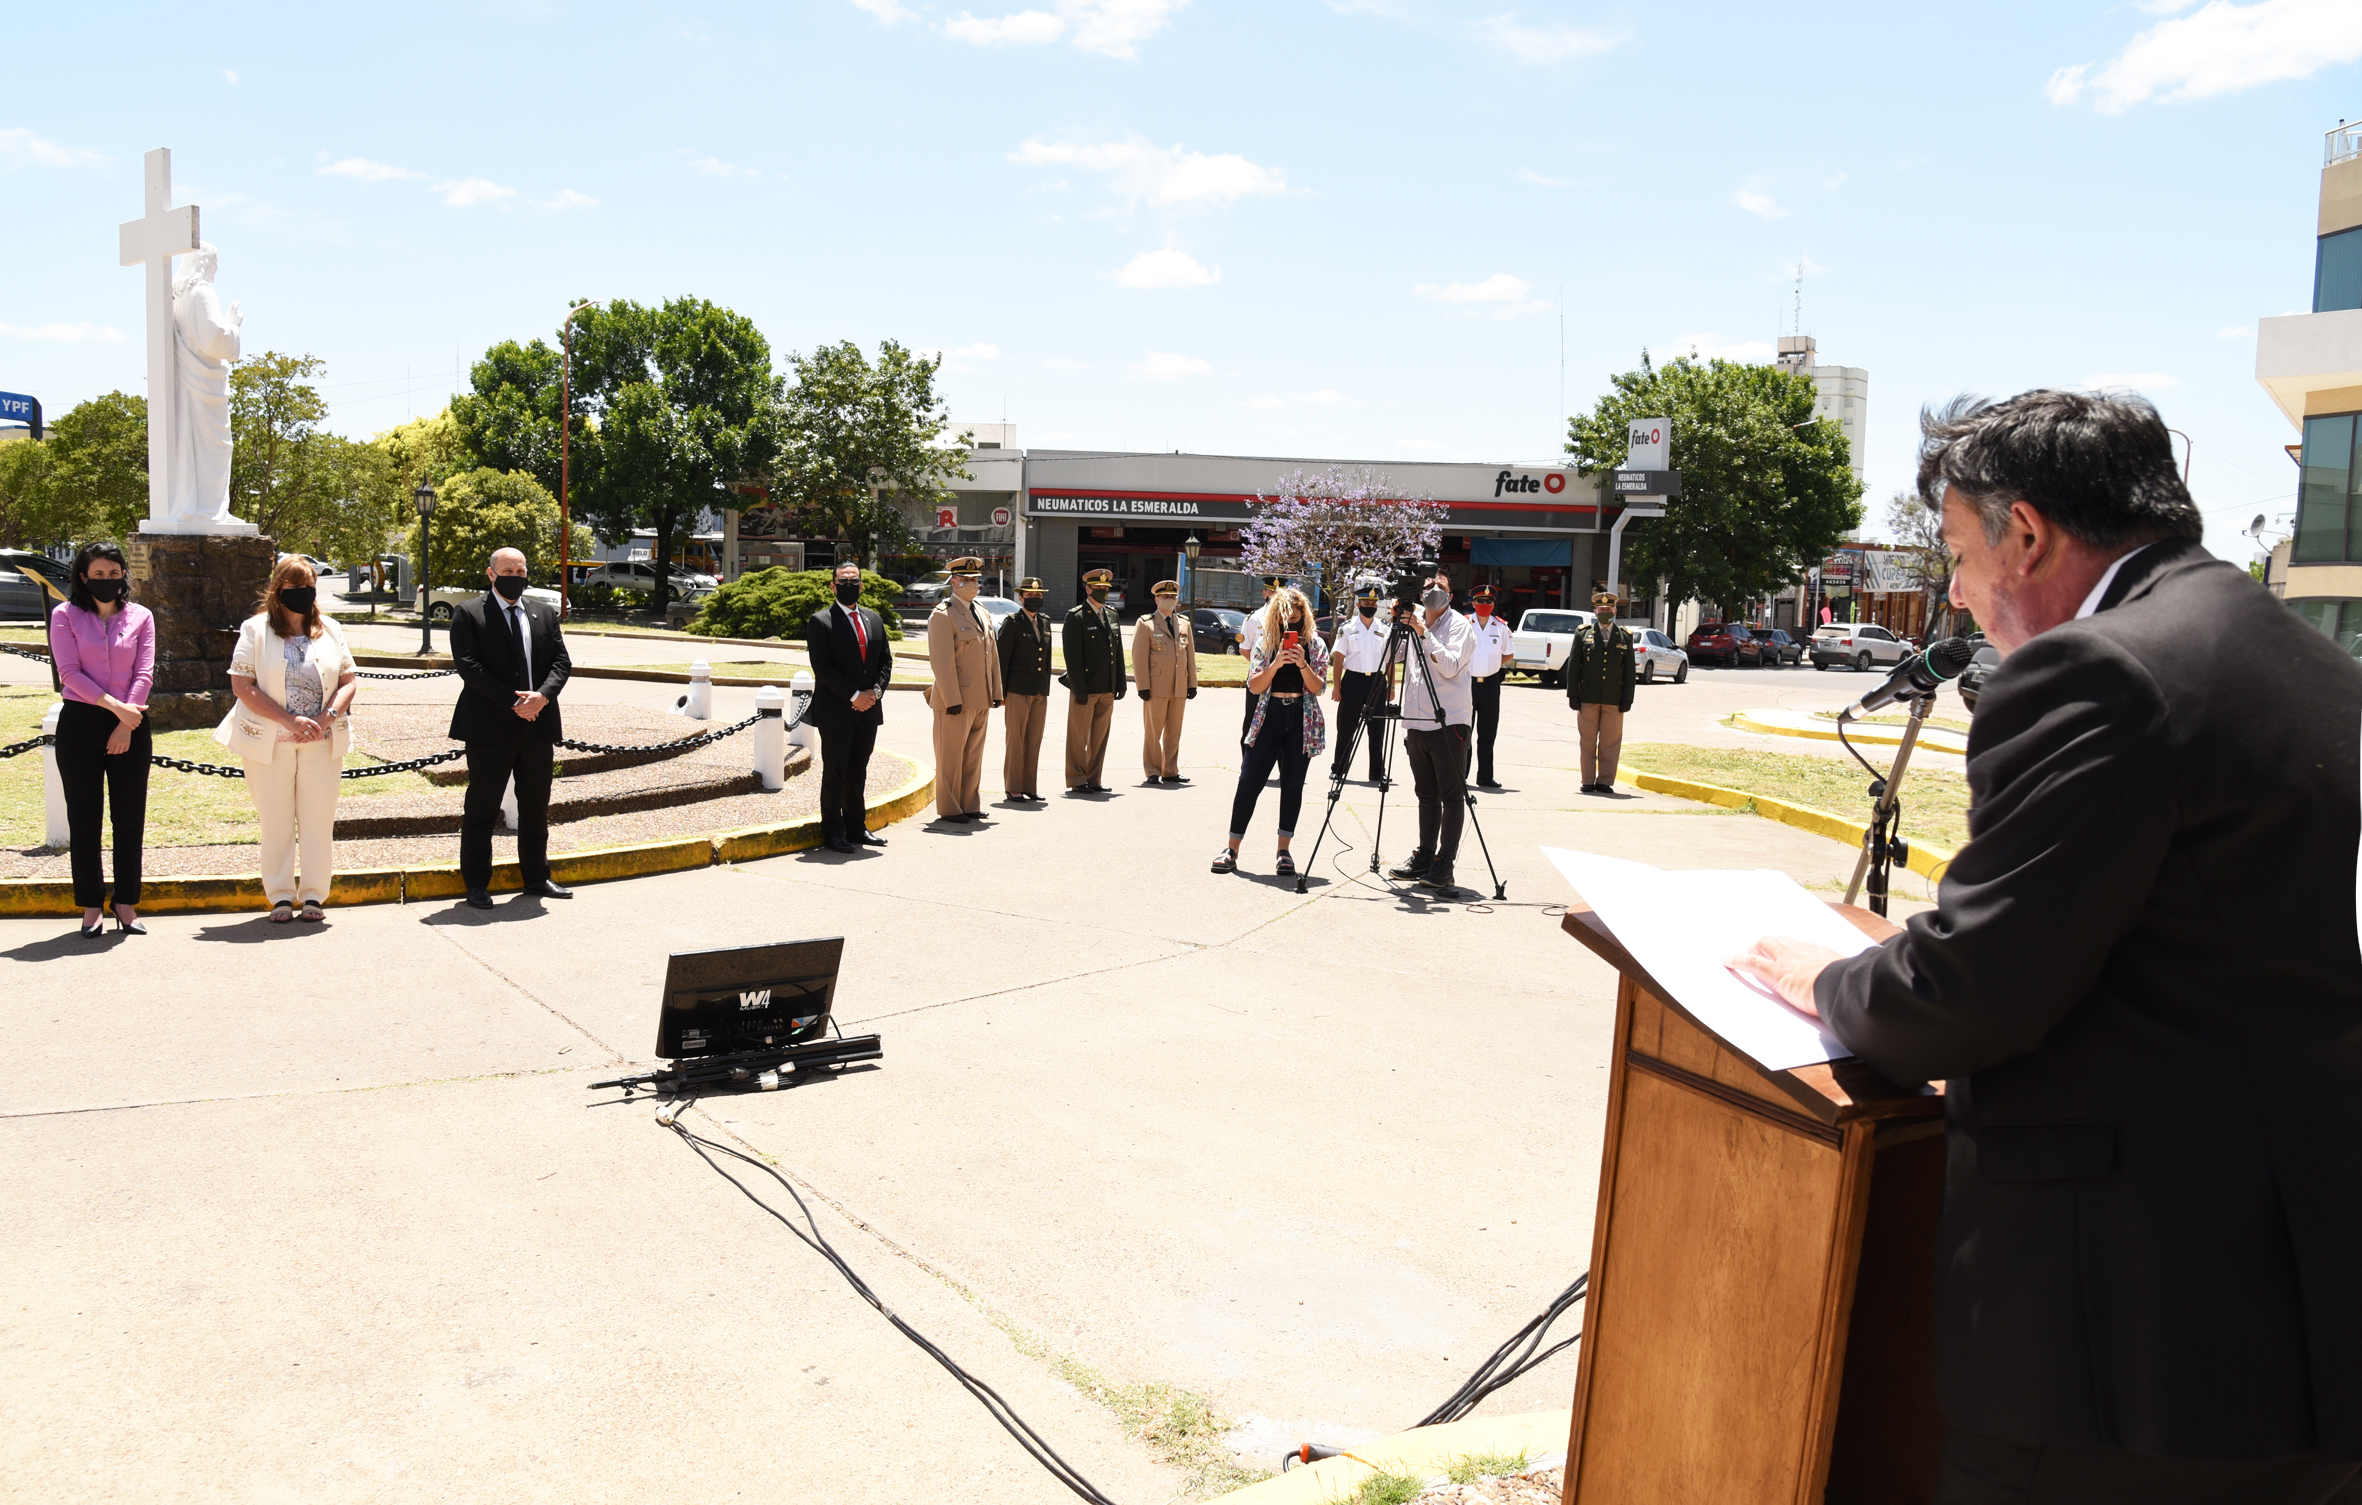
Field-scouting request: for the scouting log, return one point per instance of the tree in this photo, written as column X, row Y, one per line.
column 859, row 441
column 1926, row 561
column 1338, row 524
column 34, row 509
column 1766, row 489
column 99, row 462
column 274, row 413
column 683, row 401
column 777, row 603
column 510, row 420
column 480, row 511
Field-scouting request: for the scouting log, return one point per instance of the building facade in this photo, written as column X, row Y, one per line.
column 2311, row 364
column 1840, row 393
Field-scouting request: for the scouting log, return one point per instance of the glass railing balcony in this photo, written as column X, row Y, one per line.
column 2344, row 142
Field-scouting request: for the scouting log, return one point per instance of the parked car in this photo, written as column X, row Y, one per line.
column 640, row 575
column 1728, row 643
column 1539, row 645
column 31, row 584
column 1857, row 645
column 998, row 608
column 1779, row 648
column 686, row 603
column 448, row 598
column 1217, row 629
column 927, row 589
column 1658, row 654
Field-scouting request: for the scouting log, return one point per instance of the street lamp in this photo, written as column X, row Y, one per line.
column 565, row 455
column 1190, row 549
column 424, row 496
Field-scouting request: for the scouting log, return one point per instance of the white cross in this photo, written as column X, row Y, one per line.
column 164, row 233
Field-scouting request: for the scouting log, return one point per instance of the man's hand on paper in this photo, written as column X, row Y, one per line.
column 1789, row 968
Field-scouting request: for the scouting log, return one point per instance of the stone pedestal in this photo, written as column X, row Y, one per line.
column 201, row 587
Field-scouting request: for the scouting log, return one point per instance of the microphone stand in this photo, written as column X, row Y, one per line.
column 1881, row 847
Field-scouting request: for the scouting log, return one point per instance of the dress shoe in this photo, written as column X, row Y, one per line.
column 1439, row 877
column 478, row 899
column 1414, row 867
column 1488, row 783
column 549, row 888
column 1176, row 778
column 839, row 844
column 869, row 839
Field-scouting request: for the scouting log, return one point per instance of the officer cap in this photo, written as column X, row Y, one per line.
column 1481, row 593
column 1274, row 582
column 1031, row 586
column 1165, row 588
column 966, row 565
column 1098, row 577
column 1367, row 591
column 1607, row 599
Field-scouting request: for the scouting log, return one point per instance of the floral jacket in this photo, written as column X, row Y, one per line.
column 1316, row 669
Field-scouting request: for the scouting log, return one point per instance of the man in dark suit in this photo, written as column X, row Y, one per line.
column 851, row 667
column 511, row 661
column 2142, row 986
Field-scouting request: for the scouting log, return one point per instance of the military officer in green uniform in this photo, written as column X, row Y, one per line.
column 1599, row 683
column 1095, row 676
column 1024, row 645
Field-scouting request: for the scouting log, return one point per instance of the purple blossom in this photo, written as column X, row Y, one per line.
column 1338, row 525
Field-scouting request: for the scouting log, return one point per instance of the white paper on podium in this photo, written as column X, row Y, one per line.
column 1682, row 927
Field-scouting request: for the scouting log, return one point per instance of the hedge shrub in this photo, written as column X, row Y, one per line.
column 776, row 603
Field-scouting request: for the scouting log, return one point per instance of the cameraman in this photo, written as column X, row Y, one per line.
column 1435, row 671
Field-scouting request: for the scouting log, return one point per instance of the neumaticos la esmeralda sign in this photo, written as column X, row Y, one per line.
column 1508, row 498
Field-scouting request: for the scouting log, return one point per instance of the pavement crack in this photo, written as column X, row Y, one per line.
column 614, row 1056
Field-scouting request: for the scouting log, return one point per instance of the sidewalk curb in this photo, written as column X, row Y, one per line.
column 1927, row 861
column 1931, row 739
column 53, row 898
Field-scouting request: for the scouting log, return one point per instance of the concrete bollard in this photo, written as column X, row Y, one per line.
column 770, row 735
column 52, row 787
column 698, row 704
column 803, row 736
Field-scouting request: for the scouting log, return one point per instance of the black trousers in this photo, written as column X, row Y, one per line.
column 844, row 777
column 490, row 766
column 1989, row 1471
column 1352, row 694
column 1439, row 772
column 93, row 779
column 1487, row 695
column 1279, row 745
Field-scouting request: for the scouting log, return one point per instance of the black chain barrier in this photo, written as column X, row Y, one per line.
column 37, row 655
column 420, row 674
column 686, row 744
column 25, row 746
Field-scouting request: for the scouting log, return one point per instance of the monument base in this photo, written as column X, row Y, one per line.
column 200, row 527
column 201, row 586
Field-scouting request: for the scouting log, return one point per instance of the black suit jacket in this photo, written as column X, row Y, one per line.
column 840, row 670
column 2142, row 983
column 485, row 655
column 1024, row 648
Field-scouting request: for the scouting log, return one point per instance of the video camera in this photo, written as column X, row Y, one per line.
column 1408, row 582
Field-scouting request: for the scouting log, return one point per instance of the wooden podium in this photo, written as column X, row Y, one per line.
column 1761, row 1318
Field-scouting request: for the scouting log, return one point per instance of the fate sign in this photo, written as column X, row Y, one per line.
column 1648, row 444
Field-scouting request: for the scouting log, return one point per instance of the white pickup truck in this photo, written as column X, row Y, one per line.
column 1542, row 639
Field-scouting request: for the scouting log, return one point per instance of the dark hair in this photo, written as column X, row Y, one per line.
column 283, row 575
column 2098, row 465
column 78, row 592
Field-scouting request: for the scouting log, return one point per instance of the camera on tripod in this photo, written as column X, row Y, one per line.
column 1408, row 582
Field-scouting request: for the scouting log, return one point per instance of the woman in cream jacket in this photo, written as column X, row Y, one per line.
column 294, row 679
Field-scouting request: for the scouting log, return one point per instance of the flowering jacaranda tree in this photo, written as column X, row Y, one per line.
column 1337, row 525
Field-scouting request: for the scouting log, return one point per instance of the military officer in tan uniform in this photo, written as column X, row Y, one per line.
column 967, row 666
column 1164, row 667
column 1025, row 681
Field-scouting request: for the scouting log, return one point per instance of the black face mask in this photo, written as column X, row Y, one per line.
column 1099, row 593
column 1369, row 608
column 510, row 587
column 849, row 591
column 105, row 590
column 299, row 598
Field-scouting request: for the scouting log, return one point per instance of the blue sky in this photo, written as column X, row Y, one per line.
column 1350, row 229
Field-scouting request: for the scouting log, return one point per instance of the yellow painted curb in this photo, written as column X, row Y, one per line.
column 751, row 842
column 1422, row 1452
column 441, row 880
column 1931, row 739
column 1926, row 860
column 640, row 860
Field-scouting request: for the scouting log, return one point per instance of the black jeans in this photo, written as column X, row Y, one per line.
column 1356, row 689
column 490, row 765
column 1439, row 772
column 1989, row 1471
column 844, row 777
column 94, row 779
column 1280, row 744
column 1487, row 696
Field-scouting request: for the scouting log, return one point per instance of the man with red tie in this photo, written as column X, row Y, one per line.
column 851, row 667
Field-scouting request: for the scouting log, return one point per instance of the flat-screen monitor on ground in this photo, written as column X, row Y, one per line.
column 740, row 998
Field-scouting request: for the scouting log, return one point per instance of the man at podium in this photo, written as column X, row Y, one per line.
column 2142, row 985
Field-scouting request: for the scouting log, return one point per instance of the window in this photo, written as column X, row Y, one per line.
column 2337, row 272
column 2340, row 621
column 1878, row 634
column 2324, row 505
column 1548, row 621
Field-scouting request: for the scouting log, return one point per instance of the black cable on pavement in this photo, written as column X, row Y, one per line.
column 1513, row 1359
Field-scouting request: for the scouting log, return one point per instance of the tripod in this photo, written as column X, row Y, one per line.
column 1881, row 846
column 1378, row 709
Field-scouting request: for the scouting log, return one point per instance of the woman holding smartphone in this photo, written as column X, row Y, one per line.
column 1285, row 673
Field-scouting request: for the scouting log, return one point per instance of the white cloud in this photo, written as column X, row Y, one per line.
column 887, row 11
column 64, row 334
column 21, row 148
column 977, row 352
column 1786, row 271
column 567, row 198
column 960, row 359
column 1713, row 347
column 1166, row 268
column 1164, row 176
column 1323, row 398
column 2138, row 381
column 1113, row 28
column 366, row 171
column 1528, row 175
column 466, row 193
column 2233, row 332
column 1544, row 43
column 1499, row 296
column 2219, row 49
column 1758, row 203
column 1164, row 365
column 715, row 167
column 1062, row 363
column 230, row 75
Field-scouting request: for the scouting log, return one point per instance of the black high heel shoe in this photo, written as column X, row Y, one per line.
column 132, row 926
column 95, row 928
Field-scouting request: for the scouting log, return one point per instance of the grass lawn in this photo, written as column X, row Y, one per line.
column 184, row 809
column 910, row 666
column 1935, row 801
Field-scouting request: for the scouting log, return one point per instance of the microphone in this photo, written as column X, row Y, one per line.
column 1915, row 676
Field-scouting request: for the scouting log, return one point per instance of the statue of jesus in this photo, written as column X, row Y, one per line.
column 204, row 343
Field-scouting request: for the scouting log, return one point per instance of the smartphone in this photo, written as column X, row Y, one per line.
column 1287, row 642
